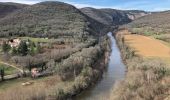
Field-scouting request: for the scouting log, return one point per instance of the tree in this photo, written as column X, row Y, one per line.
column 2, row 73
column 32, row 46
column 23, row 48
column 38, row 48
column 5, row 47
column 28, row 61
column 14, row 51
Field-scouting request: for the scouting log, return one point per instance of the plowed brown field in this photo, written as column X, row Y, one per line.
column 148, row 47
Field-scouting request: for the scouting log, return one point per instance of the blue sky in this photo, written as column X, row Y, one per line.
column 148, row 5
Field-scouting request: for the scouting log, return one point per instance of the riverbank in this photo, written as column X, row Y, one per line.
column 115, row 72
column 85, row 69
column 146, row 79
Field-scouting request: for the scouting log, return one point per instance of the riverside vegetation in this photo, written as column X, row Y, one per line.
column 69, row 50
column 77, row 71
column 64, row 48
column 146, row 79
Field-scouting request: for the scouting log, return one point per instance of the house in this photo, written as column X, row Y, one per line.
column 34, row 72
column 14, row 42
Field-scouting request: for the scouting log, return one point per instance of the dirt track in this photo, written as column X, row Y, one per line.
column 11, row 66
column 148, row 47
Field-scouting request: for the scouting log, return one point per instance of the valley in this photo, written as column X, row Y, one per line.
column 53, row 50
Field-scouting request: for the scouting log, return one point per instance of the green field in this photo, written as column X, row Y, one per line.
column 37, row 39
column 8, row 70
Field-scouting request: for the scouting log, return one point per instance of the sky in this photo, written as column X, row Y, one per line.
column 147, row 5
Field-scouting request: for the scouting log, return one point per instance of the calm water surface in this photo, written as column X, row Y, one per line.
column 115, row 72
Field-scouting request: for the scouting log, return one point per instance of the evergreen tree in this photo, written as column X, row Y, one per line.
column 2, row 73
column 38, row 48
column 32, row 46
column 5, row 47
column 14, row 51
column 23, row 48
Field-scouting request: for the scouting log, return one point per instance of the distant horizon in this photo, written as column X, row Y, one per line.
column 108, row 4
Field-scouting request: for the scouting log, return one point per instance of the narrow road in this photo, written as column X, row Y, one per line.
column 11, row 66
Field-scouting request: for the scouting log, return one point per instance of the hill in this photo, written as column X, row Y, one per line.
column 113, row 16
column 155, row 23
column 49, row 19
column 7, row 8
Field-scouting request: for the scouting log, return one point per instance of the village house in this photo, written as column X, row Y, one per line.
column 14, row 42
column 34, row 72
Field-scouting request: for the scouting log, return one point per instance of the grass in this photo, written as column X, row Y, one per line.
column 163, row 37
column 44, row 40
column 11, row 83
column 147, row 47
column 144, row 31
column 8, row 70
column 18, row 82
column 40, row 88
column 146, row 78
column 159, row 35
column 148, row 51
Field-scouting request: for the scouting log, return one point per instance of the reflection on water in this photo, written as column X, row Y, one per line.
column 115, row 72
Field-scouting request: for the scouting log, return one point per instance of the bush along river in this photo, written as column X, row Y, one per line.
column 114, row 72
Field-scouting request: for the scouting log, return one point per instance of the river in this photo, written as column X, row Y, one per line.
column 115, row 72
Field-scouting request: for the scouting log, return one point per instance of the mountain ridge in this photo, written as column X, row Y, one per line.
column 113, row 16
column 9, row 7
column 157, row 22
column 50, row 18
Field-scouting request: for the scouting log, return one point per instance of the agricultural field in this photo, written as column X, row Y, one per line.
column 8, row 69
column 147, row 60
column 154, row 25
column 148, row 49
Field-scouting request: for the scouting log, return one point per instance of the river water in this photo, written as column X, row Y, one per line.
column 115, row 72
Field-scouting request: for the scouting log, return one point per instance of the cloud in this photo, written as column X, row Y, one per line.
column 124, row 6
column 160, row 9
column 79, row 5
column 149, row 5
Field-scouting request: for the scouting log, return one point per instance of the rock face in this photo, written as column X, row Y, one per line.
column 113, row 16
column 135, row 14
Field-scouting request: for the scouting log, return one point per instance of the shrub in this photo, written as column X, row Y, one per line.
column 143, row 79
column 23, row 48
column 5, row 47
